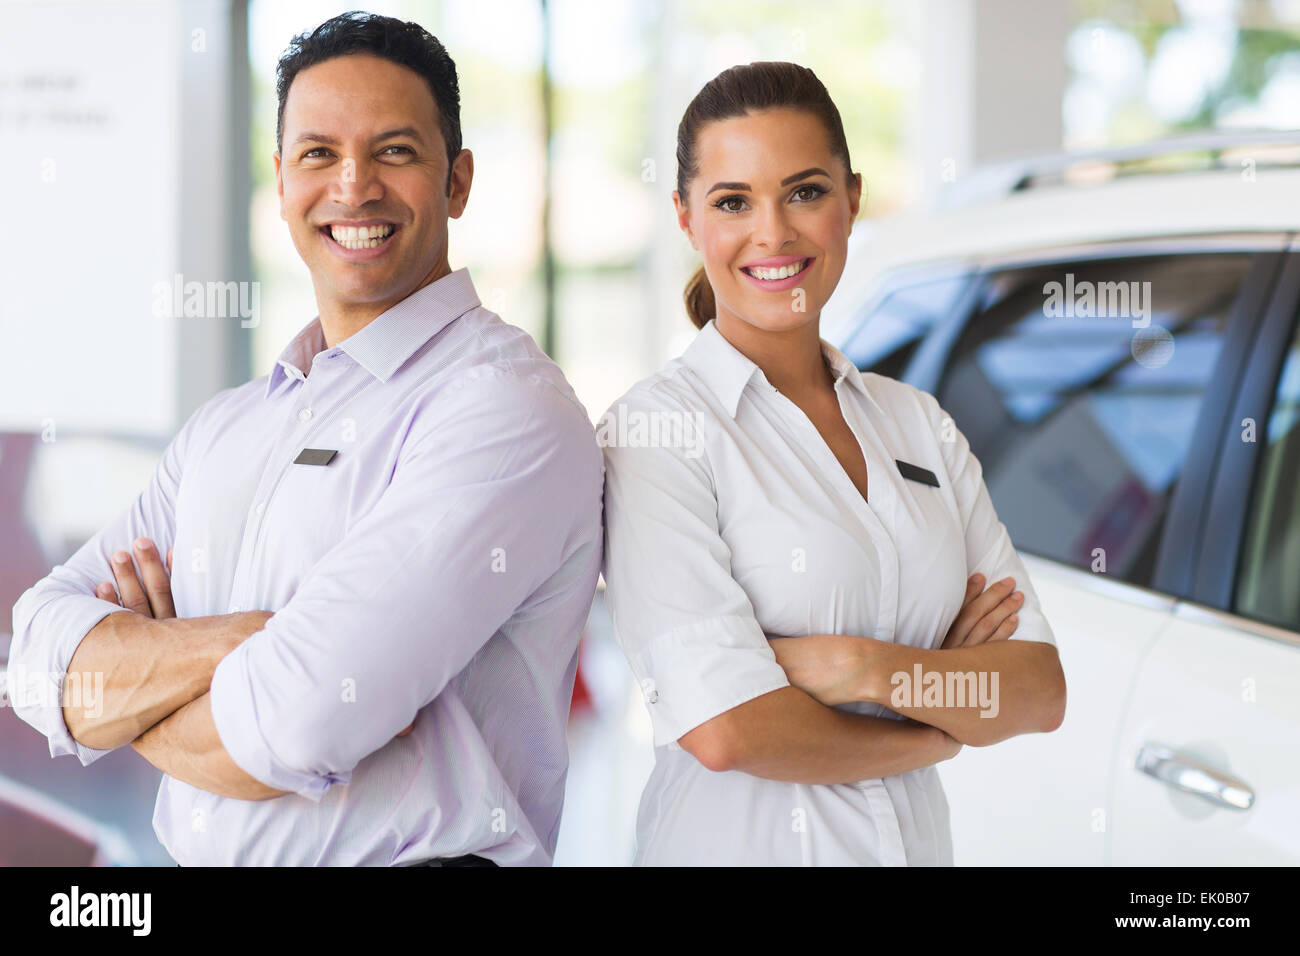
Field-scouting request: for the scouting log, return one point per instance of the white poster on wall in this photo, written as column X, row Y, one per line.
column 89, row 146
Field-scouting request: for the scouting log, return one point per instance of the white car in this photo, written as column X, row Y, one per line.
column 1116, row 334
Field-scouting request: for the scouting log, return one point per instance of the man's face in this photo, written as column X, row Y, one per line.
column 362, row 148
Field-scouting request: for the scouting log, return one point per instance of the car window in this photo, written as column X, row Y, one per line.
column 1078, row 386
column 1268, row 585
column 888, row 336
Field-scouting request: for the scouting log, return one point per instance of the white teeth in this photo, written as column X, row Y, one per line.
column 771, row 275
column 363, row 237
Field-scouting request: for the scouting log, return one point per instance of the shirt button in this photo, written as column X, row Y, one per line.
column 261, row 506
column 304, row 414
column 648, row 689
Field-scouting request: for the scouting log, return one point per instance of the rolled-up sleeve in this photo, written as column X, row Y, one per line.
column 686, row 626
column 53, row 616
column 486, row 506
column 989, row 550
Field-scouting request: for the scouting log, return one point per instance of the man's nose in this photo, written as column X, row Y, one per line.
column 357, row 182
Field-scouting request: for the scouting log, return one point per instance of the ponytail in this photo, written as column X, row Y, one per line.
column 700, row 306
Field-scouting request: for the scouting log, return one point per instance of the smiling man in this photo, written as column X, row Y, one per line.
column 385, row 549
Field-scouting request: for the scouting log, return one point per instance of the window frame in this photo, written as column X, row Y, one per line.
column 1231, row 501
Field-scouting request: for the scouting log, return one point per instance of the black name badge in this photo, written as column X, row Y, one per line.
column 315, row 456
column 917, row 473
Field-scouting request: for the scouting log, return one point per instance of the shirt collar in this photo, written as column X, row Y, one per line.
column 727, row 371
column 388, row 340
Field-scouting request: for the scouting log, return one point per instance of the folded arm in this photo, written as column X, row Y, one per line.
column 186, row 746
column 979, row 693
column 88, row 675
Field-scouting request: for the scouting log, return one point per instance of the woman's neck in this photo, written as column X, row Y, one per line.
column 791, row 360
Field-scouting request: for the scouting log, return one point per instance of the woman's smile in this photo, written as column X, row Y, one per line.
column 778, row 273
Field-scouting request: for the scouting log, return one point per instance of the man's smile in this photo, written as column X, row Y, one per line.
column 359, row 241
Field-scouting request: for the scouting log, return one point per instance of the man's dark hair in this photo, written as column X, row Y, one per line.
column 406, row 44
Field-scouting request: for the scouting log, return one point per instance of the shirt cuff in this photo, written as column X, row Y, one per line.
column 234, row 713
column 702, row 669
column 37, row 679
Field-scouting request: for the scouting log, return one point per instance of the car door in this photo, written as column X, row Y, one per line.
column 1088, row 423
column 1207, row 767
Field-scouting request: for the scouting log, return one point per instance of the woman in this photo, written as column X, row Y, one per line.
column 789, row 540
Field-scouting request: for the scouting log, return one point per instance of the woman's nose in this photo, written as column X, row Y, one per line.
column 772, row 229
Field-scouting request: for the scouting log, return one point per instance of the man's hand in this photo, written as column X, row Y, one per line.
column 990, row 616
column 154, row 597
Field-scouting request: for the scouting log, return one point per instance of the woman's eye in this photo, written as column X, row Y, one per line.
column 809, row 192
column 724, row 203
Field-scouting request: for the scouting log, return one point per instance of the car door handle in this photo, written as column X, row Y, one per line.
column 1183, row 773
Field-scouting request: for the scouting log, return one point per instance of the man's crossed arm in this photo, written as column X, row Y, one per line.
column 157, row 669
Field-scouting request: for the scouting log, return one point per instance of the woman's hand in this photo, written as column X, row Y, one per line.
column 829, row 667
column 991, row 616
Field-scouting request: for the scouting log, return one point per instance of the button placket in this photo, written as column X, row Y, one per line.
column 881, row 538
column 885, row 514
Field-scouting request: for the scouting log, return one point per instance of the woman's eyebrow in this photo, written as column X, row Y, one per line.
column 805, row 174
column 812, row 171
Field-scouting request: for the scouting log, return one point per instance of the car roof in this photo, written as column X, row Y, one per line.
column 1002, row 213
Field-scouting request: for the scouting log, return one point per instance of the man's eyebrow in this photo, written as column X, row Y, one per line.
column 814, row 170
column 409, row 131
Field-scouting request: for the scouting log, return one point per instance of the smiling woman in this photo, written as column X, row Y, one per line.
column 765, row 600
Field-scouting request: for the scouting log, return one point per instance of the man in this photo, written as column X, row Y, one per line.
column 398, row 527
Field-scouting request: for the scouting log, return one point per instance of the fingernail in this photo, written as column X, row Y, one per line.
column 977, row 578
column 142, row 544
column 121, row 557
column 1018, row 596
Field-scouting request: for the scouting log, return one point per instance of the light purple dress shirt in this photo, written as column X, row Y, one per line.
column 439, row 569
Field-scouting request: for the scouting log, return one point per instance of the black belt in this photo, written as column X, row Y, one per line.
column 469, row 859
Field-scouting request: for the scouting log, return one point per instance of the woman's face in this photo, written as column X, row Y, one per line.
column 770, row 212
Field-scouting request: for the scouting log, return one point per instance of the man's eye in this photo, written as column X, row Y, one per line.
column 407, row 148
column 310, row 151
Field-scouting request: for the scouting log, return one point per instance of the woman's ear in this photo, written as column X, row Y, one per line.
column 684, row 219
column 856, row 195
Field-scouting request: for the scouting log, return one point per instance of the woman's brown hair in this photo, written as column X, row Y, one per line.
column 736, row 92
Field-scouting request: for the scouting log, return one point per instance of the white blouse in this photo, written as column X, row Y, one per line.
column 728, row 520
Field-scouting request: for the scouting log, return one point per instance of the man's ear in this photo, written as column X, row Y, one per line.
column 279, row 185
column 462, row 176
column 684, row 219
